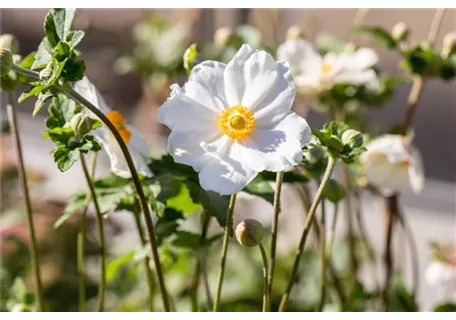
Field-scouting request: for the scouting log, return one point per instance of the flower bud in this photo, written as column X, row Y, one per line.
column 249, row 233
column 352, row 137
column 295, row 32
column 10, row 43
column 6, row 61
column 449, row 44
column 81, row 124
column 223, row 36
column 334, row 191
column 315, row 154
column 46, row 72
column 400, row 32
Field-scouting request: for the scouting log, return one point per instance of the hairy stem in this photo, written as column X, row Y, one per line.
column 274, row 230
column 266, row 300
column 226, row 241
column 307, row 225
column 12, row 118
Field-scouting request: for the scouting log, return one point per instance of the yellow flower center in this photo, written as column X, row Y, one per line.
column 236, row 122
column 405, row 163
column 326, row 67
column 119, row 122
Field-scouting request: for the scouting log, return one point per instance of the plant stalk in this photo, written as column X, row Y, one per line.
column 266, row 299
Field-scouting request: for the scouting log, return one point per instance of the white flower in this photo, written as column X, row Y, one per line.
column 131, row 136
column 314, row 74
column 231, row 121
column 391, row 163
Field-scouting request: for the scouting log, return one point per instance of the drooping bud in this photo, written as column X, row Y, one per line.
column 295, row 32
column 352, row 137
column 223, row 36
column 10, row 43
column 6, row 61
column 400, row 32
column 249, row 233
column 449, row 44
column 81, row 124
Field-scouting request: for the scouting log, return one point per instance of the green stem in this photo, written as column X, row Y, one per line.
column 81, row 243
column 148, row 270
column 266, row 299
column 323, row 260
column 93, row 195
column 307, row 225
column 274, row 230
column 12, row 118
column 134, row 174
column 226, row 241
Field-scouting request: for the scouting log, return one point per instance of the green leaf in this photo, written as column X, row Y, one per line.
column 59, row 135
column 57, row 24
column 379, row 33
column 445, row 307
column 61, row 110
column 18, row 290
column 43, row 98
column 111, row 182
column 116, row 264
column 31, row 92
column 43, row 56
column 189, row 58
column 334, row 191
column 182, row 201
column 185, row 239
column 261, row 187
column 400, row 298
column 89, row 144
column 77, row 202
column 64, row 157
column 74, row 70
column 74, row 37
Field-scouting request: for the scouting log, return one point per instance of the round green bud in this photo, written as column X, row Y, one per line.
column 10, row 43
column 6, row 62
column 223, row 36
column 315, row 154
column 334, row 191
column 352, row 137
column 400, row 32
column 295, row 32
column 249, row 233
column 81, row 124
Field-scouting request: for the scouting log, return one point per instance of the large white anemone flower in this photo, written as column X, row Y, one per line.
column 130, row 135
column 391, row 163
column 315, row 74
column 231, row 121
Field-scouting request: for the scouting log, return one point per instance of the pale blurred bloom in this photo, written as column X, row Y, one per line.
column 314, row 74
column 231, row 121
column 441, row 272
column 130, row 135
column 391, row 162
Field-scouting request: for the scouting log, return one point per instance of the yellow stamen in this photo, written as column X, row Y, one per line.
column 236, row 122
column 326, row 67
column 119, row 122
column 405, row 163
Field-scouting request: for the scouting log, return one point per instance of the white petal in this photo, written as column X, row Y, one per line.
column 183, row 114
column 118, row 164
column 365, row 58
column 416, row 171
column 88, row 90
column 199, row 93
column 137, row 142
column 358, row 77
column 226, row 173
column 210, row 75
column 277, row 149
column 185, row 148
column 234, row 75
column 302, row 56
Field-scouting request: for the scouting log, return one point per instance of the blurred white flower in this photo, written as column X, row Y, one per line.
column 130, row 135
column 391, row 162
column 441, row 272
column 230, row 122
column 315, row 74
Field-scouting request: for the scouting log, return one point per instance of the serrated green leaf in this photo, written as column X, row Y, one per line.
column 61, row 110
column 28, row 61
column 43, row 98
column 57, row 24
column 43, row 56
column 58, row 135
column 182, row 201
column 89, row 144
column 77, row 202
column 74, row 37
column 64, row 157
column 379, row 33
column 74, row 70
column 32, row 92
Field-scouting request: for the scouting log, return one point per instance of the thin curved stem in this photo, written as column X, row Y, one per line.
column 93, row 195
column 12, row 118
column 435, row 25
column 274, row 230
column 67, row 90
column 266, row 299
column 307, row 225
column 134, row 174
column 81, row 243
column 226, row 241
column 149, row 273
column 323, row 260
